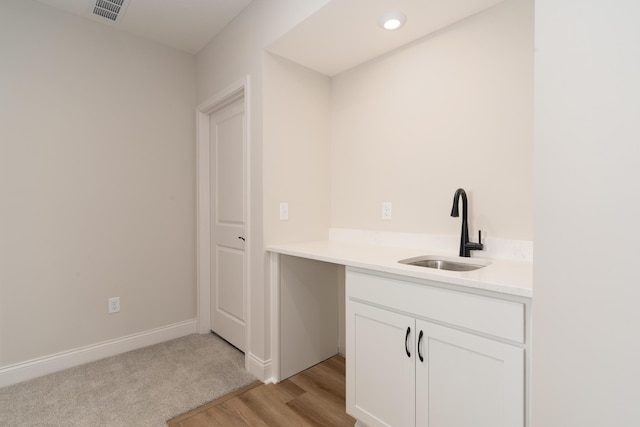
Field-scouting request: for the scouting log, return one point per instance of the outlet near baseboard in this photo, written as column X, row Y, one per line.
column 114, row 305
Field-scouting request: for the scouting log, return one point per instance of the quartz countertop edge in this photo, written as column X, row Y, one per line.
column 502, row 276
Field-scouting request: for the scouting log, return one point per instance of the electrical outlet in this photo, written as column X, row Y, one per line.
column 284, row 211
column 114, row 305
column 386, row 211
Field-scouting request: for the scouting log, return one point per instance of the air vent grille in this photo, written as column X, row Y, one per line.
column 109, row 9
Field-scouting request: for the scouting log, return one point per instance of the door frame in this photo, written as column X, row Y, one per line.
column 232, row 93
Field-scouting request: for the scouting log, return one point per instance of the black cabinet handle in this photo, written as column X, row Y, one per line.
column 406, row 337
column 241, row 238
column 419, row 340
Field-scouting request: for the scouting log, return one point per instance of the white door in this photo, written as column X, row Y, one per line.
column 380, row 366
column 463, row 380
column 228, row 222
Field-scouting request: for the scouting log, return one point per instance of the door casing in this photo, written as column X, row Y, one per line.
column 232, row 93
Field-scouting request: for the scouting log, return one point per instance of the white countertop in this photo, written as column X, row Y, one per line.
column 504, row 276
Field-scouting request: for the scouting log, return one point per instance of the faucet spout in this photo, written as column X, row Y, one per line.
column 456, row 199
column 465, row 245
column 464, row 235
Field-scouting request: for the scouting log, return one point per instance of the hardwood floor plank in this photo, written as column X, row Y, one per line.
column 318, row 411
column 323, row 404
column 232, row 413
column 311, row 384
column 269, row 403
column 336, row 364
column 175, row 422
column 204, row 420
column 321, row 380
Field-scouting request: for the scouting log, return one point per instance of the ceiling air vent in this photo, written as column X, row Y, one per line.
column 109, row 9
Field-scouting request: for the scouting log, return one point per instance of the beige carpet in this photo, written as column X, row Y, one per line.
column 143, row 387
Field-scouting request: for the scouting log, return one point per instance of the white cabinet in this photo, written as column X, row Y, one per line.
column 381, row 376
column 421, row 354
column 467, row 380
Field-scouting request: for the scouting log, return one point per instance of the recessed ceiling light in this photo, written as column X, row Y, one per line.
column 392, row 20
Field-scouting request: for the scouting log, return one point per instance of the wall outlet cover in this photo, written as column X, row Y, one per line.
column 386, row 211
column 114, row 305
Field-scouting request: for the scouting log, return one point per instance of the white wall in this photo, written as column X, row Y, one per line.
column 452, row 110
column 235, row 52
column 97, row 183
column 296, row 151
column 587, row 204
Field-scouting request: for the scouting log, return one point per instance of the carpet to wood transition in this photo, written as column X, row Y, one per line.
column 315, row 397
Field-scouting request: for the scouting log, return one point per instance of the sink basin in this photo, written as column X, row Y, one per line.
column 443, row 263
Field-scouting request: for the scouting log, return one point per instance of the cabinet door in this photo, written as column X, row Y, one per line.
column 466, row 380
column 380, row 366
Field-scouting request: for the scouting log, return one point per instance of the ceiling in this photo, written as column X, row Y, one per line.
column 339, row 36
column 345, row 33
column 187, row 25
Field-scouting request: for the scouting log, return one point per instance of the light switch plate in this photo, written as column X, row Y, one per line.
column 284, row 211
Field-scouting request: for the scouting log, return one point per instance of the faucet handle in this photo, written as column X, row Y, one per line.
column 475, row 246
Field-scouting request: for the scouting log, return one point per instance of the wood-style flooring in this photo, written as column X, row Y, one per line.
column 315, row 397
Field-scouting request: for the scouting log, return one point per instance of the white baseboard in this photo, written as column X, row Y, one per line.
column 23, row 371
column 260, row 368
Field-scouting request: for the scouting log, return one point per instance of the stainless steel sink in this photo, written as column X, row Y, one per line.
column 443, row 263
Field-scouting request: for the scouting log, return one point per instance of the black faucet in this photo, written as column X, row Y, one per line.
column 465, row 245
